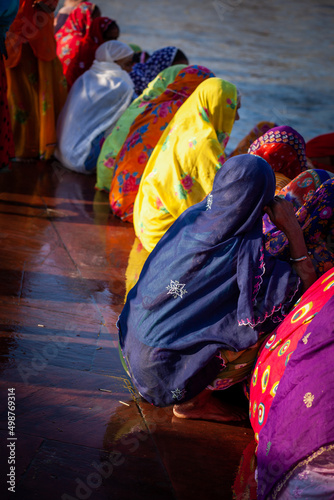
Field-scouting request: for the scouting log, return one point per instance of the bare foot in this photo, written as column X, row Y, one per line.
column 206, row 407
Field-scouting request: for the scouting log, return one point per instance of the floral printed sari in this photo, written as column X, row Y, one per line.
column 182, row 167
column 144, row 72
column 144, row 135
column 115, row 140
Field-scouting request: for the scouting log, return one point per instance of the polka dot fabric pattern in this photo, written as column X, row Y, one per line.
column 143, row 73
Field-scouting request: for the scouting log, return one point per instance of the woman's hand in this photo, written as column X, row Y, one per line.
column 282, row 214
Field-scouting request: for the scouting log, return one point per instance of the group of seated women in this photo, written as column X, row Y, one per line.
column 239, row 288
column 225, row 248
column 51, row 63
column 103, row 79
column 231, row 273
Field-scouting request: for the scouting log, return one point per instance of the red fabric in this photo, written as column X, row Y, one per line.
column 245, row 485
column 322, row 145
column 319, row 147
column 282, row 158
column 78, row 40
column 283, row 148
column 34, row 26
column 7, row 150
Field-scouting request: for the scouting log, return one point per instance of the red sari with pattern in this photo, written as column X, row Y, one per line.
column 143, row 136
column 283, row 148
column 78, row 40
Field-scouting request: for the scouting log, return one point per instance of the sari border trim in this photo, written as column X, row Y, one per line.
column 255, row 322
column 306, row 461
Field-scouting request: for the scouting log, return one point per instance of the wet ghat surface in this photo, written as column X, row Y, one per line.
column 82, row 432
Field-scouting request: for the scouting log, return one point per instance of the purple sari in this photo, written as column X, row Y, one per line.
column 300, row 424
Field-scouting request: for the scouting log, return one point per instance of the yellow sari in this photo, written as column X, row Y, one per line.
column 182, row 167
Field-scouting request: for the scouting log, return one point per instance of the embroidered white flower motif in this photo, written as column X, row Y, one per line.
column 209, row 202
column 305, row 339
column 178, row 394
column 176, row 289
column 308, row 399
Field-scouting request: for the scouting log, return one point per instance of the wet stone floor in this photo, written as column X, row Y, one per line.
column 78, row 430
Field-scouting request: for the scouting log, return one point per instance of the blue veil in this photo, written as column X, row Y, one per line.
column 208, row 285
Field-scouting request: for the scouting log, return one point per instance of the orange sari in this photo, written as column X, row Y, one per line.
column 143, row 136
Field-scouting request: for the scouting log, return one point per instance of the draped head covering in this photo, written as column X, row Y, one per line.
column 182, row 167
column 112, row 51
column 115, row 140
column 70, row 36
column 303, row 187
column 25, row 30
column 96, row 101
column 320, row 147
column 63, row 13
column 283, row 148
column 208, row 284
column 78, row 40
column 143, row 73
column 144, row 135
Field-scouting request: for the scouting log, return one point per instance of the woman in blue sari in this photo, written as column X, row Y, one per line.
column 209, row 289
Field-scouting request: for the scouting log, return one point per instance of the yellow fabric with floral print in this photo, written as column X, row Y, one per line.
column 183, row 165
column 37, row 92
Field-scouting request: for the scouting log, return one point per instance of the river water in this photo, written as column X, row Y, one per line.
column 280, row 54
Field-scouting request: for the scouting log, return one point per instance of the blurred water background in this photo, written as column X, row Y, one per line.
column 280, row 54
